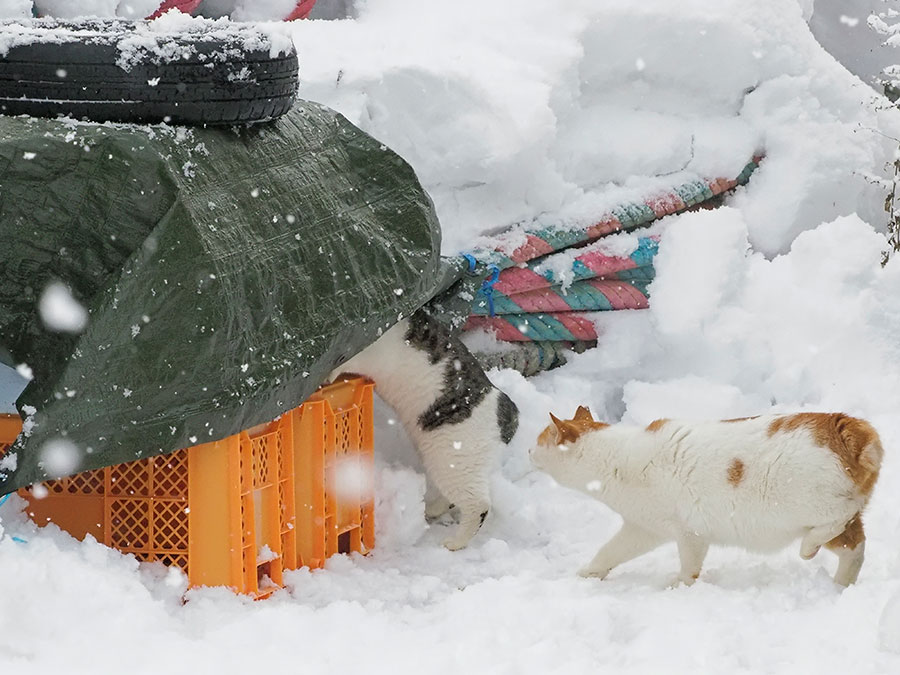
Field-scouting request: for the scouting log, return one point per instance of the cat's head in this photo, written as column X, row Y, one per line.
column 559, row 448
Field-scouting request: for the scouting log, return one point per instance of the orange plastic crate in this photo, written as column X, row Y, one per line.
column 240, row 511
column 10, row 428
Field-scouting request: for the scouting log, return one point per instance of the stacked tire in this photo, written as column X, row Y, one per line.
column 120, row 71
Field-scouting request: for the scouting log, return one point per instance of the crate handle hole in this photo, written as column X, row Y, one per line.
column 264, row 575
column 344, row 543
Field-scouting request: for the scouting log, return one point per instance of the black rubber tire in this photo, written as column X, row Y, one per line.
column 220, row 76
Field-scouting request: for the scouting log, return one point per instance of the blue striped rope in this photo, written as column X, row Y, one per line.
column 579, row 297
column 630, row 215
column 540, row 327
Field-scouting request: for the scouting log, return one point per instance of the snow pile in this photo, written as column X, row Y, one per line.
column 529, row 113
column 809, row 329
column 777, row 301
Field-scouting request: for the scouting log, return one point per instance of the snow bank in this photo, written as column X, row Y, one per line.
column 529, row 112
column 731, row 333
column 804, row 330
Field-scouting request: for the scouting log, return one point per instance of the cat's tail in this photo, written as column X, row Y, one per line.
column 507, row 417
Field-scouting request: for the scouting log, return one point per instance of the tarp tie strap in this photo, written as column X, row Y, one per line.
column 487, row 288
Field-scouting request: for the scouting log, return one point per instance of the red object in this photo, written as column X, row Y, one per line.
column 301, row 11
column 186, row 6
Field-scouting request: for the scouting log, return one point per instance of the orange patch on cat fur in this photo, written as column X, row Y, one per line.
column 569, row 431
column 742, row 419
column 855, row 443
column 544, row 438
column 583, row 414
column 852, row 536
column 736, row 472
column 656, row 425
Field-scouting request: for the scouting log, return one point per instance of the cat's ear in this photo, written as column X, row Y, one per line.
column 583, row 413
column 566, row 431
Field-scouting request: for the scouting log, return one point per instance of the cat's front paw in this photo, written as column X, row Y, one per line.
column 455, row 544
column 437, row 508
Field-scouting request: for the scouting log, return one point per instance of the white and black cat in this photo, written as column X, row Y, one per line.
column 451, row 411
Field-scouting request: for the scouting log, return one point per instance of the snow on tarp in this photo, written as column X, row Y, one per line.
column 225, row 272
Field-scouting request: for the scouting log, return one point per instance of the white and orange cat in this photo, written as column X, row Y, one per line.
column 758, row 483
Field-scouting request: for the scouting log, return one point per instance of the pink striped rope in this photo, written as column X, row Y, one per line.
column 510, row 328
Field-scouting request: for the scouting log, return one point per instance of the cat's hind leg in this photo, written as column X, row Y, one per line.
column 850, row 548
column 628, row 543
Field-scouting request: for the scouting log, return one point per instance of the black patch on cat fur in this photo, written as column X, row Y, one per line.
column 432, row 337
column 507, row 417
column 465, row 384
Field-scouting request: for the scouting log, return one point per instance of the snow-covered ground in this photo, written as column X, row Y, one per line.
column 519, row 109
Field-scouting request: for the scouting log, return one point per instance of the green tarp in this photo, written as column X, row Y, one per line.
column 226, row 271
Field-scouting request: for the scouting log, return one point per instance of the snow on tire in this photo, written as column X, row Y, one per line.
column 183, row 71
